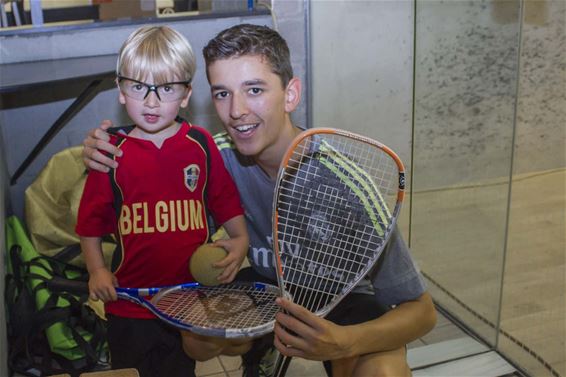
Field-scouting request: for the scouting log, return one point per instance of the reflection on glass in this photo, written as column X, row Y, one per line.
column 466, row 66
column 533, row 308
column 503, row 279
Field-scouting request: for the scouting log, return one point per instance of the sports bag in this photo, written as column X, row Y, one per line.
column 50, row 330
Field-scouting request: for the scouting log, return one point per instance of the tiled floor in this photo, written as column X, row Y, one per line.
column 518, row 287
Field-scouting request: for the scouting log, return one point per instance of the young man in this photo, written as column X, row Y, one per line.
column 254, row 93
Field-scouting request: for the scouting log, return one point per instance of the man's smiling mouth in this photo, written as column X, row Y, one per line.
column 246, row 127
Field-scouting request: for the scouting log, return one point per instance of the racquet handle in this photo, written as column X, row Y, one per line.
column 59, row 284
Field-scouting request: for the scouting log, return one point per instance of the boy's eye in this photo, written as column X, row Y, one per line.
column 167, row 88
column 256, row 91
column 138, row 87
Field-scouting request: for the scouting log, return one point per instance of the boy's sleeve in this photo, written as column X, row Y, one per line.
column 96, row 216
column 223, row 197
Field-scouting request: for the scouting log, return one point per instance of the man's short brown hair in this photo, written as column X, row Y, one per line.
column 248, row 39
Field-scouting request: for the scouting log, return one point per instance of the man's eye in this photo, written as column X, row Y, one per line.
column 220, row 95
column 256, row 91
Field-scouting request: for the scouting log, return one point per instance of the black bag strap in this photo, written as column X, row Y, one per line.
column 29, row 348
column 76, row 315
column 68, row 253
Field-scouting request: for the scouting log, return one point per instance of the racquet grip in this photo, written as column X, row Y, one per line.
column 59, row 284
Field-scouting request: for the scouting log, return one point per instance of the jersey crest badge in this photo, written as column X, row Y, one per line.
column 191, row 174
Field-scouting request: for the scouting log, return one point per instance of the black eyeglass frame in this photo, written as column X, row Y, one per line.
column 153, row 87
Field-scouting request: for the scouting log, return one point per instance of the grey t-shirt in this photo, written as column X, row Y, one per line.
column 394, row 280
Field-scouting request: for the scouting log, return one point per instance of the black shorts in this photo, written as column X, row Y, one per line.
column 353, row 309
column 149, row 345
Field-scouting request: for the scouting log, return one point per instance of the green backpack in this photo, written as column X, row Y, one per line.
column 50, row 330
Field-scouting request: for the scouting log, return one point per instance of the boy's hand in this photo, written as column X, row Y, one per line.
column 95, row 146
column 237, row 249
column 101, row 285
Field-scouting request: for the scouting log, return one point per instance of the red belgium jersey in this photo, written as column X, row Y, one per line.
column 159, row 194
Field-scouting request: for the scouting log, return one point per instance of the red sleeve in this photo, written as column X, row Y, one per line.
column 223, row 197
column 96, row 216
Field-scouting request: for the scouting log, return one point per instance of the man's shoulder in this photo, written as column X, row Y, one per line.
column 224, row 141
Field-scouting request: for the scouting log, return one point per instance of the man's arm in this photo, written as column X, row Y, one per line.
column 97, row 141
column 315, row 338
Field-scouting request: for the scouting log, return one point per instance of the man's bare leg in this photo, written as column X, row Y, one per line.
column 382, row 364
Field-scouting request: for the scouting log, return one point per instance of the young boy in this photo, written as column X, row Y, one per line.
column 254, row 92
column 157, row 202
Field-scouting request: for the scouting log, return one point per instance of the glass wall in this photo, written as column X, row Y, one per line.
column 488, row 185
column 471, row 95
column 533, row 308
column 465, row 88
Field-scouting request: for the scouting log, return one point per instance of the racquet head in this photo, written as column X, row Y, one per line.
column 237, row 310
column 336, row 202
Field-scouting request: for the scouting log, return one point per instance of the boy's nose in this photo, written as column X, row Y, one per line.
column 151, row 100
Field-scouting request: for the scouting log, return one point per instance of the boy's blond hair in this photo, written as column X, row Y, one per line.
column 158, row 51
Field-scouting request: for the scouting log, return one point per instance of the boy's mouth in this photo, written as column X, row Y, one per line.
column 151, row 118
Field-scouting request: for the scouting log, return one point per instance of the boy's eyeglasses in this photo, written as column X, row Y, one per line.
column 168, row 92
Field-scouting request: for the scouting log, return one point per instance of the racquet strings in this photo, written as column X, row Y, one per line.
column 237, row 307
column 335, row 208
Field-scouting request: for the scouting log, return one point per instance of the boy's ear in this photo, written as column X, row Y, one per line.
column 185, row 101
column 293, row 94
column 121, row 97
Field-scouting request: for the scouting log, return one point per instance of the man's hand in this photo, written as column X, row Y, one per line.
column 301, row 333
column 95, row 144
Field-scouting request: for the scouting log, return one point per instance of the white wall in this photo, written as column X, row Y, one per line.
column 362, row 69
column 362, row 72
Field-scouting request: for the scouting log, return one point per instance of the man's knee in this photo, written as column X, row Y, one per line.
column 383, row 364
column 198, row 347
column 390, row 370
column 202, row 348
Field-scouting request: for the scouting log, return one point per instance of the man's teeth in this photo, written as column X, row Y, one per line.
column 246, row 127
